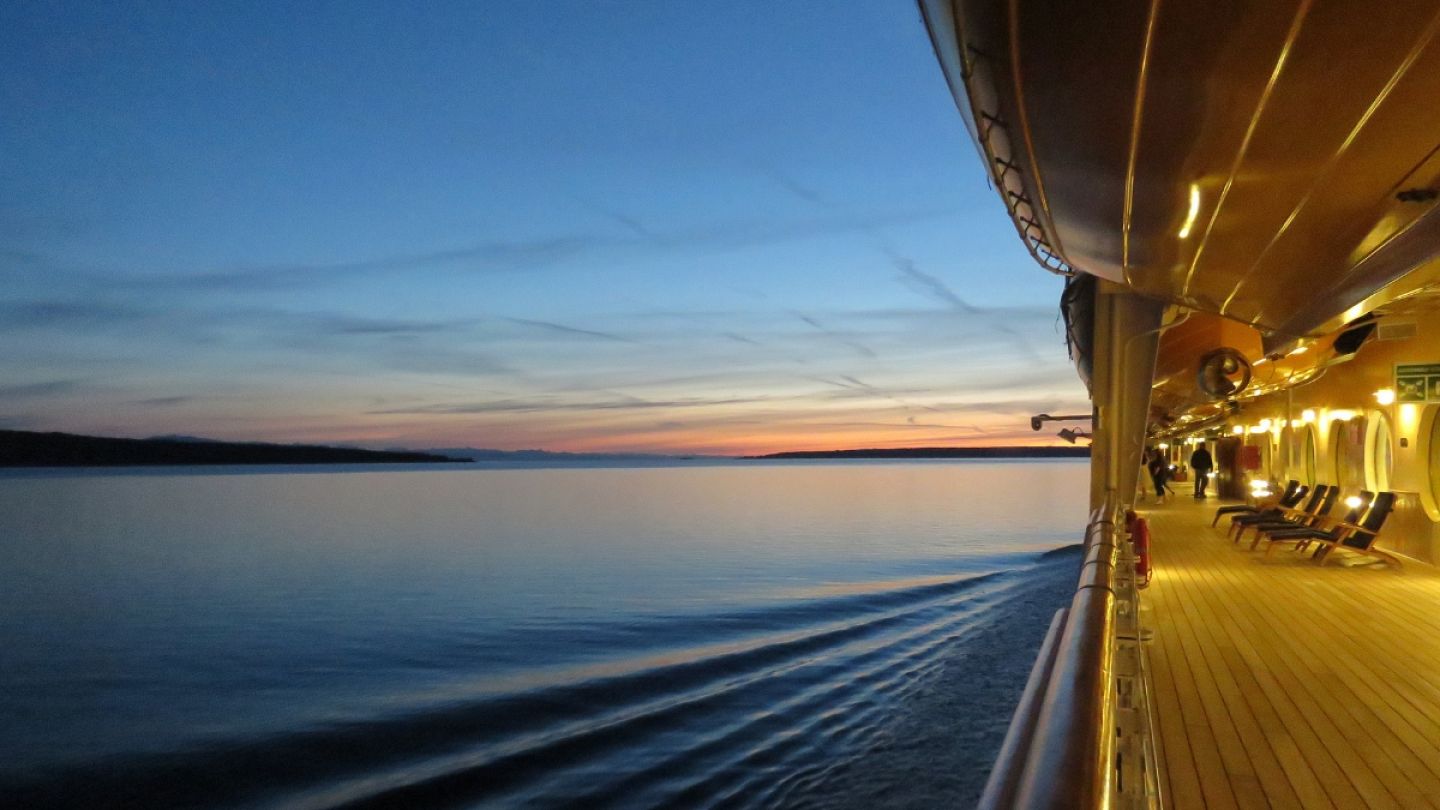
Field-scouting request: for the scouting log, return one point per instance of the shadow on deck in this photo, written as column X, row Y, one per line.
column 1281, row 683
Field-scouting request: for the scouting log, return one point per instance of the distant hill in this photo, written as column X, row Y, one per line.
column 19, row 448
column 488, row 454
column 939, row 452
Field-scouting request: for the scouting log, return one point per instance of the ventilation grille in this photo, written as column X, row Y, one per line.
column 1396, row 330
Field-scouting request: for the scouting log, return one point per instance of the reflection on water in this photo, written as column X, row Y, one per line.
column 762, row 634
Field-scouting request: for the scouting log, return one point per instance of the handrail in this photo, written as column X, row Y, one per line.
column 1061, row 742
column 1003, row 783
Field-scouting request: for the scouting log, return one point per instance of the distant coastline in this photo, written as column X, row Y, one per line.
column 937, row 452
column 19, row 448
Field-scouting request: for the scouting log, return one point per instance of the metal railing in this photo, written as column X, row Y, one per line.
column 1080, row 737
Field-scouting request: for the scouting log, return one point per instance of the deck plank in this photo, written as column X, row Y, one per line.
column 1282, row 683
column 1182, row 782
column 1307, row 711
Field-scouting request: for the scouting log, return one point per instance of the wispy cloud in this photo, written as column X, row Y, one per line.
column 163, row 402
column 841, row 338
column 560, row 404
column 350, row 325
column 58, row 313
column 561, row 328
column 928, row 285
column 40, row 389
column 739, row 338
column 480, row 257
column 795, row 187
column 16, row 421
column 501, row 255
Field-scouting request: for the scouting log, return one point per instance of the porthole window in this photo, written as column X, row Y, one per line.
column 1310, row 456
column 1433, row 460
column 1379, row 453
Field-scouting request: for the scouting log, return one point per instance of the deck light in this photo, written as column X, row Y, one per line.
column 1163, row 446
column 1353, row 501
column 1264, row 424
column 1408, row 418
column 1238, row 429
column 1308, row 416
column 1385, row 396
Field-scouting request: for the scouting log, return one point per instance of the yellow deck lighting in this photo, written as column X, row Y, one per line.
column 1308, row 416
column 1353, row 502
column 1409, row 417
column 1238, row 429
column 1385, row 396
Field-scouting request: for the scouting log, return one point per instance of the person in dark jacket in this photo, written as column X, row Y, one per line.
column 1202, row 464
column 1159, row 468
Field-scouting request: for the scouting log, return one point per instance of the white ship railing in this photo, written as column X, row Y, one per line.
column 1082, row 734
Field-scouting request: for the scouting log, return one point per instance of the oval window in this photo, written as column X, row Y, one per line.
column 1379, row 453
column 1434, row 457
column 1310, row 456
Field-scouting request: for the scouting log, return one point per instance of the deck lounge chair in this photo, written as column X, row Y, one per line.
column 1328, row 529
column 1319, row 518
column 1319, row 503
column 1239, row 523
column 1359, row 538
column 1285, row 498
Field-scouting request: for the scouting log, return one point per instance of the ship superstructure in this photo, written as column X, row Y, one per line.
column 1243, row 200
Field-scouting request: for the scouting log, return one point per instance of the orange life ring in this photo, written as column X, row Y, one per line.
column 1140, row 536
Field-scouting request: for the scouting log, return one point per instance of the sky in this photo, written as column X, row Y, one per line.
column 642, row 226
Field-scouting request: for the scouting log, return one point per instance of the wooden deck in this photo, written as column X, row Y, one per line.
column 1279, row 683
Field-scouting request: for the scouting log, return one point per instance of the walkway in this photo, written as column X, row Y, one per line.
column 1279, row 683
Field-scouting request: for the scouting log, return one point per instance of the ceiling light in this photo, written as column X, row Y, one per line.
column 1192, row 213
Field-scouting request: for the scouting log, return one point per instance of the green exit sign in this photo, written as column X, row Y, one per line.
column 1417, row 382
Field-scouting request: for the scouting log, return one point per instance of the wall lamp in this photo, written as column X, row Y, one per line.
column 1039, row 419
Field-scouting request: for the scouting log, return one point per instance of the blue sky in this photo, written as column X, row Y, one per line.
column 602, row 226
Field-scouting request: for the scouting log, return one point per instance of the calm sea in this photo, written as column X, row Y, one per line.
column 748, row 635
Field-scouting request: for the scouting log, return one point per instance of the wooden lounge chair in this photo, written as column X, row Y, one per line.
column 1285, row 498
column 1317, row 519
column 1328, row 528
column 1359, row 538
column 1239, row 523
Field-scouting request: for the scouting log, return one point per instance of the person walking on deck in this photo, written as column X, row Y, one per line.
column 1159, row 468
column 1202, row 464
